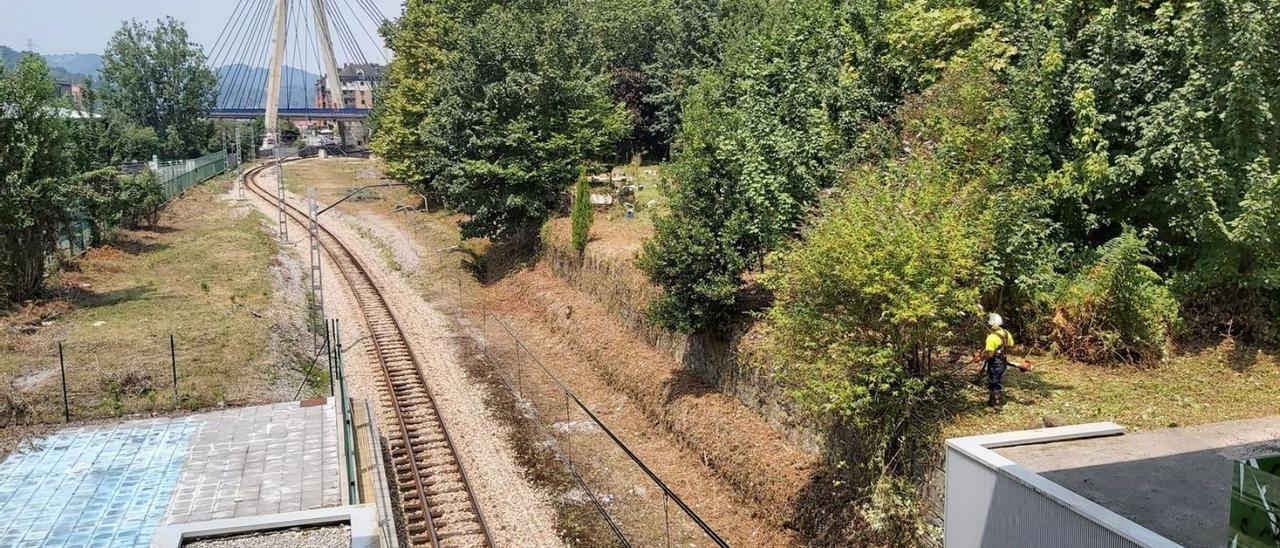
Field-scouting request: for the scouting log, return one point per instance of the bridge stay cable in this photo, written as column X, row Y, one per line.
column 365, row 30
column 255, row 93
column 247, row 42
column 219, row 44
column 344, row 31
column 242, row 64
column 240, row 23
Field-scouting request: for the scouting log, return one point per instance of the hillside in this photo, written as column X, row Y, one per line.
column 244, row 87
column 69, row 67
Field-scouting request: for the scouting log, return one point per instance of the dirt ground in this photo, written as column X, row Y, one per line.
column 633, row 500
column 206, row 274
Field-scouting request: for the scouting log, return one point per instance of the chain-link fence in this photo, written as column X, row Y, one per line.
column 174, row 178
column 177, row 176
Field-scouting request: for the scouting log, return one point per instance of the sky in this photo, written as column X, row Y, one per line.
column 85, row 26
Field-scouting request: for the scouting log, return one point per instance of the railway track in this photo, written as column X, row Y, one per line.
column 439, row 507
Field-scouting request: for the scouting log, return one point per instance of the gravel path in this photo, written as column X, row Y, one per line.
column 332, row 536
column 516, row 512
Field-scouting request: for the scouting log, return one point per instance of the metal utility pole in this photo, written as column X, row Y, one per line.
column 276, row 68
column 317, row 287
column 239, row 170
column 280, row 190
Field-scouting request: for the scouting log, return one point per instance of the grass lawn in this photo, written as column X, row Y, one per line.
column 1196, row 386
column 201, row 275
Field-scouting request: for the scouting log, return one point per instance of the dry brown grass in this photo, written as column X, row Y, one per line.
column 200, row 275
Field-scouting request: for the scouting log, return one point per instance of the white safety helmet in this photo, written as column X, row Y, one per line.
column 994, row 320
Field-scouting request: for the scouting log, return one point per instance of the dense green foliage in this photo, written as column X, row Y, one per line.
column 653, row 52
column 156, row 78
column 773, row 124
column 1117, row 308
column 1160, row 117
column 583, row 214
column 1103, row 174
column 50, row 178
column 514, row 106
column 35, row 200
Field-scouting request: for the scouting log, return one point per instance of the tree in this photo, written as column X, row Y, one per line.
column 652, row 52
column 35, row 198
column 583, row 213
column 757, row 145
column 507, row 117
column 418, row 39
column 155, row 77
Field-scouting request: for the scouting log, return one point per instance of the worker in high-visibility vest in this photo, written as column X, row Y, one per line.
column 995, row 359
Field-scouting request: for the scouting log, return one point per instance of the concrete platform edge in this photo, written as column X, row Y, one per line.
column 362, row 518
column 979, row 450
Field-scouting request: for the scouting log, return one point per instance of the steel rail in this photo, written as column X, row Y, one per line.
column 357, row 276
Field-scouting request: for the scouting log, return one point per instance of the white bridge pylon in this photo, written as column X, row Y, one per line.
column 279, row 37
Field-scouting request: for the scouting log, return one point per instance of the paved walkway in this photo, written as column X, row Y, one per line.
column 262, row 460
column 112, row 485
column 93, row 486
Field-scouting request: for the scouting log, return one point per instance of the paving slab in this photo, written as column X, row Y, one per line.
column 254, row 461
column 1176, row 482
column 106, row 485
column 114, row 484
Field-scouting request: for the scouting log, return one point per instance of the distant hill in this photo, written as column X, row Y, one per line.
column 242, row 86
column 77, row 63
column 69, row 67
column 245, row 87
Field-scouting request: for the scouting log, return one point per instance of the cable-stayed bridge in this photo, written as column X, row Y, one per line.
column 293, row 38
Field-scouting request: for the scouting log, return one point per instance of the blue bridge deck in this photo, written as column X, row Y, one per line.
column 296, row 113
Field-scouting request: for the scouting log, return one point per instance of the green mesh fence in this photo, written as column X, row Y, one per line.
column 179, row 176
column 174, row 176
column 1255, row 504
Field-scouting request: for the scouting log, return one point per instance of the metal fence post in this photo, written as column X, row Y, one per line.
column 66, row 402
column 328, row 353
column 173, row 363
column 666, row 516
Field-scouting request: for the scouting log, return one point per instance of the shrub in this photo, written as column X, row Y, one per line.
column 1115, row 308
column 866, row 306
column 582, row 214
